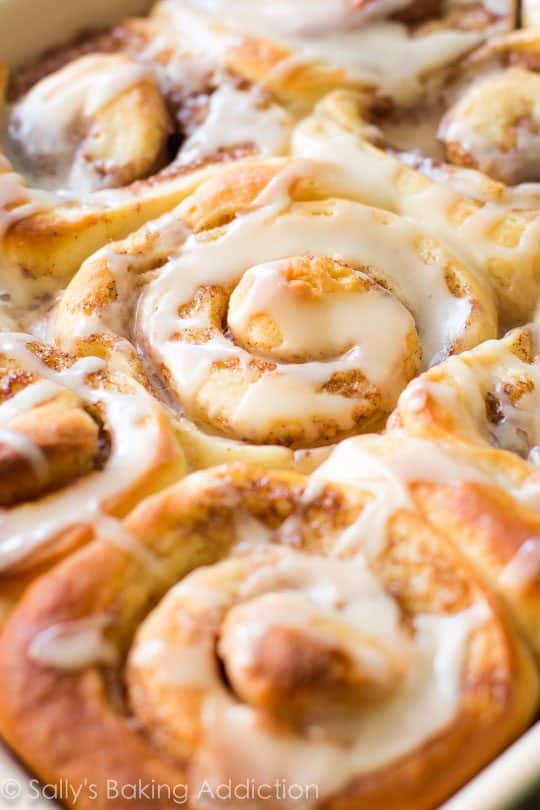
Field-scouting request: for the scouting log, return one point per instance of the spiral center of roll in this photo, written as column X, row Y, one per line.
column 304, row 308
column 306, row 670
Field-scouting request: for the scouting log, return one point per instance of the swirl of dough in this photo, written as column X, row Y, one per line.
column 464, row 438
column 290, row 656
column 78, row 445
column 494, row 229
column 294, row 324
column 494, row 124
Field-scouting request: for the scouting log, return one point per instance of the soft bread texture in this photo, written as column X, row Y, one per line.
column 223, row 297
column 269, row 543
column 230, row 92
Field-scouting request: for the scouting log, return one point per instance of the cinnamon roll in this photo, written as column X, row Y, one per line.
column 487, row 397
column 256, row 309
column 75, row 175
column 493, row 125
column 494, row 228
column 478, row 415
column 394, row 46
column 283, row 649
column 80, row 445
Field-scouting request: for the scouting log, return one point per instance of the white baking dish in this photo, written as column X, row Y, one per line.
column 27, row 28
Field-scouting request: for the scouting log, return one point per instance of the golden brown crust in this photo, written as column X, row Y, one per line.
column 68, row 439
column 481, row 407
column 190, row 525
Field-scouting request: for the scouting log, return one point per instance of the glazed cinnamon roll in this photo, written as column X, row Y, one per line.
column 493, row 125
column 479, row 412
column 79, row 445
column 256, row 309
column 297, row 655
column 75, row 174
column 486, row 397
column 494, row 228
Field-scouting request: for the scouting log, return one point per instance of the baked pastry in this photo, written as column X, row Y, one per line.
column 95, row 186
column 486, row 397
column 198, row 92
column 295, row 636
column 80, row 445
column 219, row 302
column 494, row 228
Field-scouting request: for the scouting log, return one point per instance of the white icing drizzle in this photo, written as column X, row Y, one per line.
column 348, row 232
column 27, row 398
column 326, row 599
column 42, row 121
column 256, row 249
column 431, row 205
column 383, row 52
column 492, row 368
column 310, row 20
column 524, row 567
column 17, row 201
column 74, row 644
column 238, row 117
column 179, row 64
column 384, row 469
column 349, row 318
column 114, row 531
column 132, row 420
column 510, row 151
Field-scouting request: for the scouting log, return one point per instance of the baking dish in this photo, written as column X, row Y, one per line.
column 512, row 781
